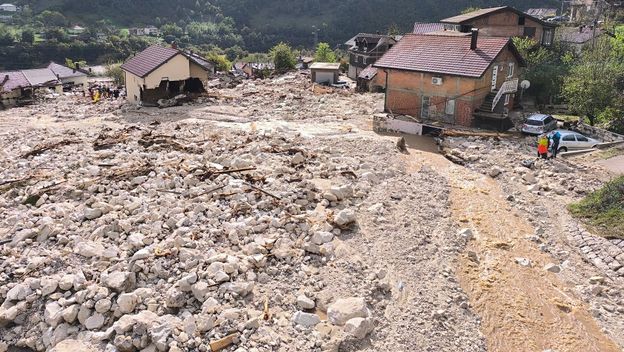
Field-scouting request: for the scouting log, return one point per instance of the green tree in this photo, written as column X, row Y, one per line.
column 221, row 61
column 591, row 88
column 75, row 63
column 114, row 71
column 6, row 35
column 28, row 36
column 52, row 19
column 394, row 29
column 172, row 29
column 545, row 68
column 470, row 9
column 283, row 57
column 324, row 53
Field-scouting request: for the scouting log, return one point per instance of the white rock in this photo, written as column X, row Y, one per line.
column 322, row 237
column 240, row 288
column 175, row 298
column 495, row 171
column 119, row 281
column 127, row 302
column 305, row 303
column 359, row 327
column 10, row 314
column 18, row 292
column 305, row 319
column 523, row 262
column 345, row 217
column 466, row 233
column 347, row 308
column 53, row 314
column 66, row 282
column 48, row 286
column 529, row 178
column 71, row 313
column 297, row 159
column 200, row 290
column 103, row 305
column 94, row 322
column 91, row 214
column 89, row 249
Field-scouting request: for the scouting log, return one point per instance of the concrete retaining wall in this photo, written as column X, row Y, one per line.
column 598, row 133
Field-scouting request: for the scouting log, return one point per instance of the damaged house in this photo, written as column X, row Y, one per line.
column 452, row 78
column 163, row 73
column 14, row 87
column 72, row 78
column 365, row 49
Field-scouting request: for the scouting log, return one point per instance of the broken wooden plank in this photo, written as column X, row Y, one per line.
column 43, row 148
column 220, row 344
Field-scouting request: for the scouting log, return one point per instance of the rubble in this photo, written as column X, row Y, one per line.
column 258, row 219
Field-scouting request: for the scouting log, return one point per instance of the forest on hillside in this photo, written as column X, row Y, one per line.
column 260, row 24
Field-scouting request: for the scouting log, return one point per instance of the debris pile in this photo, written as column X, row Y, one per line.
column 152, row 238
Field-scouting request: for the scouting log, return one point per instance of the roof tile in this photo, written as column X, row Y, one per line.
column 149, row 60
column 443, row 54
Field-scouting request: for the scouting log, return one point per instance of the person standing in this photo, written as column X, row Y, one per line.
column 556, row 138
column 542, row 146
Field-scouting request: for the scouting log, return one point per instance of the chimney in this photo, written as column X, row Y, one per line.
column 77, row 66
column 474, row 39
column 174, row 45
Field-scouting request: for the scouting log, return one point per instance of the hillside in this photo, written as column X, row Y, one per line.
column 262, row 23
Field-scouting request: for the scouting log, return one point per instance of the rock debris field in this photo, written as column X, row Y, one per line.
column 263, row 218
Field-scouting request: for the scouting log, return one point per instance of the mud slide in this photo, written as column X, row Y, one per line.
column 523, row 308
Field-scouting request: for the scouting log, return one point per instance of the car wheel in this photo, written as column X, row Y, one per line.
column 563, row 150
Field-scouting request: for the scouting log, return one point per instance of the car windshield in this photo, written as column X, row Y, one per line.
column 534, row 123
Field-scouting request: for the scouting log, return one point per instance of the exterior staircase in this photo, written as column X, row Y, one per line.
column 488, row 102
column 486, row 118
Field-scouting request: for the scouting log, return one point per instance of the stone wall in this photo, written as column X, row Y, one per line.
column 598, row 133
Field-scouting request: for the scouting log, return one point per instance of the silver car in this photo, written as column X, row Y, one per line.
column 538, row 124
column 571, row 140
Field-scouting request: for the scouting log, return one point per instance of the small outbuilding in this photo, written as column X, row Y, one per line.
column 325, row 72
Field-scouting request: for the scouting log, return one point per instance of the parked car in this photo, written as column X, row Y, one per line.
column 559, row 19
column 571, row 140
column 539, row 123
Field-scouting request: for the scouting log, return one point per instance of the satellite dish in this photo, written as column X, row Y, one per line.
column 525, row 84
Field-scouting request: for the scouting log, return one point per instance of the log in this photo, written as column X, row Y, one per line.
column 220, row 344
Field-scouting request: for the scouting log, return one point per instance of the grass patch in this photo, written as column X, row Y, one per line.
column 603, row 210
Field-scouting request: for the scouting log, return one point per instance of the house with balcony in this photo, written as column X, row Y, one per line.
column 365, row 49
column 451, row 78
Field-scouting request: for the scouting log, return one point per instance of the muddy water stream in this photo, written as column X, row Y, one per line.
column 522, row 308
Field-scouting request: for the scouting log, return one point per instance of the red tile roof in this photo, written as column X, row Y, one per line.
column 15, row 80
column 474, row 15
column 445, row 55
column 149, row 60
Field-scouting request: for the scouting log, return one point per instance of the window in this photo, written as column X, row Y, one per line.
column 507, row 99
column 548, row 37
column 510, row 70
column 548, row 120
column 521, row 20
column 450, row 107
column 568, row 138
column 529, row 32
column 581, row 138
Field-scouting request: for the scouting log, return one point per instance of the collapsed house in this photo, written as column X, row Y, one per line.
column 13, row 88
column 18, row 87
column 71, row 78
column 163, row 73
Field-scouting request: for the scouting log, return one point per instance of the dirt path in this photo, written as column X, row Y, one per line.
column 522, row 308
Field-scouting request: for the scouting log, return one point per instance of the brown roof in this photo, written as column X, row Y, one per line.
column 471, row 16
column 12, row 80
column 445, row 55
column 149, row 60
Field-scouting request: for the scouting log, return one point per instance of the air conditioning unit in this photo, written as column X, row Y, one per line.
column 436, row 81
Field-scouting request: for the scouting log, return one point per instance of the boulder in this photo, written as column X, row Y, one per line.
column 359, row 327
column 345, row 217
column 347, row 308
column 305, row 319
column 304, row 302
